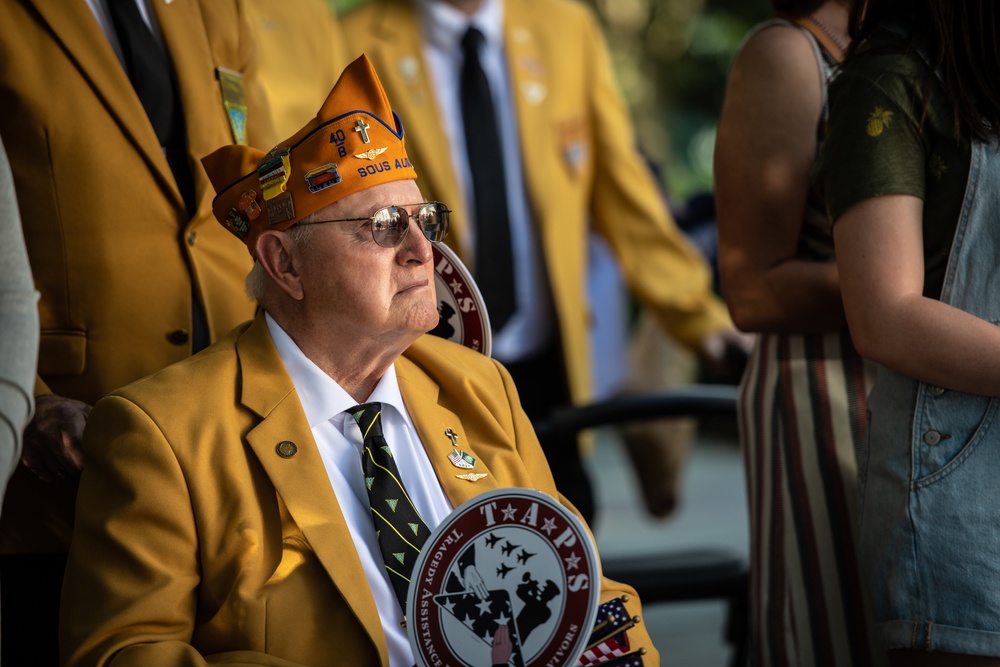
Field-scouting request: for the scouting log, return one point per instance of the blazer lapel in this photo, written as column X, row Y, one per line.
column 301, row 480
column 397, row 52
column 74, row 26
column 194, row 67
column 433, row 422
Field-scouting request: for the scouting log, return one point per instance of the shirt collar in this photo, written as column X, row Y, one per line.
column 445, row 25
column 321, row 397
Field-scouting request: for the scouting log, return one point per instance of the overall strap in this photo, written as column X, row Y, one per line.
column 830, row 46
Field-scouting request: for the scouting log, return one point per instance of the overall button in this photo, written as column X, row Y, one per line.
column 935, row 391
column 192, row 237
column 178, row 337
column 932, row 437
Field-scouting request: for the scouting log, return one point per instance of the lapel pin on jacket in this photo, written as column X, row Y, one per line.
column 233, row 100
column 458, row 458
column 409, row 69
column 472, row 476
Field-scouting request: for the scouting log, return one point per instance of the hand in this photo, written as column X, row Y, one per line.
column 474, row 581
column 502, row 647
column 724, row 354
column 52, row 439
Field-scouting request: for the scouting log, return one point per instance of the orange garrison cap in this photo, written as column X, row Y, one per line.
column 354, row 142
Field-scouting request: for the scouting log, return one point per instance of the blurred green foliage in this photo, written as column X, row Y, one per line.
column 671, row 58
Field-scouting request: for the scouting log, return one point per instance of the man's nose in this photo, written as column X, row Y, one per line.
column 415, row 246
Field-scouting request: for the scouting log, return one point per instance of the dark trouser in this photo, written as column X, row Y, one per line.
column 30, row 585
column 542, row 386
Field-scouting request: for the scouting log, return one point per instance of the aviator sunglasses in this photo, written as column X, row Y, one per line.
column 390, row 224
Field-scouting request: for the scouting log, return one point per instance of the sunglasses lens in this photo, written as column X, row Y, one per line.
column 389, row 226
column 433, row 219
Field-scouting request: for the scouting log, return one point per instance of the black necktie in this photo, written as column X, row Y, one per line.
column 149, row 69
column 493, row 259
column 400, row 530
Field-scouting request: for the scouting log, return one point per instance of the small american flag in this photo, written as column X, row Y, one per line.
column 461, row 459
column 609, row 641
column 605, row 651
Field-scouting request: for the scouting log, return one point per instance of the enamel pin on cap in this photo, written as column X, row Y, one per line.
column 510, row 569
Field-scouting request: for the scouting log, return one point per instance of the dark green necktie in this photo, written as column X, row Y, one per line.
column 400, row 530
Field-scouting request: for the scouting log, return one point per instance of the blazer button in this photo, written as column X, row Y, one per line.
column 192, row 237
column 932, row 437
column 286, row 449
column 178, row 337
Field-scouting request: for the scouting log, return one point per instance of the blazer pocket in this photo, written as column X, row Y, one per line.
column 62, row 352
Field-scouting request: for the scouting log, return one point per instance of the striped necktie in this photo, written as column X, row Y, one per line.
column 400, row 530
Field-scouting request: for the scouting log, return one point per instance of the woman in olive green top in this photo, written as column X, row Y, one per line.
column 911, row 176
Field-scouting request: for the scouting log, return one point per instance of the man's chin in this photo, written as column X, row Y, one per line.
column 422, row 318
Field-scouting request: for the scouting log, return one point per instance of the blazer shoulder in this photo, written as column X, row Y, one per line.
column 366, row 18
column 443, row 360
column 203, row 374
column 562, row 16
column 436, row 348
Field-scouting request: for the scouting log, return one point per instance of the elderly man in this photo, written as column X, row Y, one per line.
column 223, row 514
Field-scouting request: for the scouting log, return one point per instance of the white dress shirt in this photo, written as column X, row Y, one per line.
column 339, row 440
column 532, row 325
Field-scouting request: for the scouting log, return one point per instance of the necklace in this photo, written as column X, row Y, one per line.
column 829, row 33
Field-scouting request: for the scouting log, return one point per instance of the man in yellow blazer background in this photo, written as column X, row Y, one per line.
column 300, row 52
column 133, row 272
column 223, row 515
column 580, row 170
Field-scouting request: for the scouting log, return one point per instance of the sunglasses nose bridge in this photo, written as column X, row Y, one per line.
column 423, row 227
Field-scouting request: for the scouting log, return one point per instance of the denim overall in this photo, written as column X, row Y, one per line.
column 930, row 478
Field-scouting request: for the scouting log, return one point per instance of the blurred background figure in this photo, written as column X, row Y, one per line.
column 18, row 329
column 560, row 159
column 802, row 399
column 300, row 54
column 911, row 176
column 659, row 448
column 104, row 123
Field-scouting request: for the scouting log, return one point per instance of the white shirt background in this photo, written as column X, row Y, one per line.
column 532, row 325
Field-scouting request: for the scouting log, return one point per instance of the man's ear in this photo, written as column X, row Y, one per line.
column 279, row 257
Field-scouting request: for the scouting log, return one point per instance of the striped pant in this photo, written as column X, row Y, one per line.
column 801, row 416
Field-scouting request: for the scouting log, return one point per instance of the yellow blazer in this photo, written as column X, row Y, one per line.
column 114, row 253
column 580, row 161
column 301, row 53
column 195, row 540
